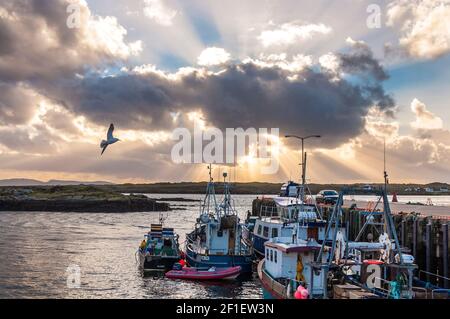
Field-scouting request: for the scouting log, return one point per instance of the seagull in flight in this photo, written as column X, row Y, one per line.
column 110, row 139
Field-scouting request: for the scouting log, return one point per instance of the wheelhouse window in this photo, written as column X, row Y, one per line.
column 275, row 256
column 295, row 212
column 274, row 232
column 285, row 213
column 259, row 230
column 266, row 231
column 271, row 255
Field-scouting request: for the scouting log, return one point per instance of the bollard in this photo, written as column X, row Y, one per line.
column 445, row 253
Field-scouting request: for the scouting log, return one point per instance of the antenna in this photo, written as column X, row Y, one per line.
column 386, row 176
column 210, row 173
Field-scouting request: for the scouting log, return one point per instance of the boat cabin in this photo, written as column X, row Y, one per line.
column 289, row 264
column 289, row 189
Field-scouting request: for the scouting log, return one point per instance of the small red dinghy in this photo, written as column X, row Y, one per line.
column 212, row 274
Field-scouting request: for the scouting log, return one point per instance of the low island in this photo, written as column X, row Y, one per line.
column 81, row 198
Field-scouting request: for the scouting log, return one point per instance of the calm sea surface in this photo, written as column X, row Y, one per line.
column 37, row 248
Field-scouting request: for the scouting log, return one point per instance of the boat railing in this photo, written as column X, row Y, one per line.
column 428, row 274
column 387, row 292
column 243, row 250
column 440, row 292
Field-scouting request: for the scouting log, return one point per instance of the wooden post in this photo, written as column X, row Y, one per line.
column 415, row 222
column 325, row 282
column 445, row 253
column 428, row 249
column 403, row 233
column 311, row 283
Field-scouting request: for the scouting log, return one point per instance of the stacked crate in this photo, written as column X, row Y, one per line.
column 348, row 291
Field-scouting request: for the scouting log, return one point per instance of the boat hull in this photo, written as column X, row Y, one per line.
column 271, row 288
column 219, row 261
column 195, row 274
column 258, row 245
column 157, row 263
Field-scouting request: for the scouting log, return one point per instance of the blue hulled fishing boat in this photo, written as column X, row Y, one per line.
column 282, row 215
column 217, row 238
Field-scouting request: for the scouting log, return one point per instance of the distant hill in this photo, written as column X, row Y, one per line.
column 33, row 182
column 266, row 188
column 256, row 188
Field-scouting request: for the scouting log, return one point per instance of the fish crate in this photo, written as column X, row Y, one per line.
column 361, row 294
column 342, row 291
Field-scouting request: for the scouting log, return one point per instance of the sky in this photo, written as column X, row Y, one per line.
column 362, row 74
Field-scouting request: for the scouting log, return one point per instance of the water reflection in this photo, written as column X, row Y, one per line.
column 37, row 248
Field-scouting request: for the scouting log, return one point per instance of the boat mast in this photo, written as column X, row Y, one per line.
column 303, row 163
column 386, row 176
column 226, row 204
column 210, row 194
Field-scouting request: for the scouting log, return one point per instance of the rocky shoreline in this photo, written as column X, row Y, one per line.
column 84, row 199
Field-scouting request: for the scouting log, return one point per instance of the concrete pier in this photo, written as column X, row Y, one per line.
column 397, row 208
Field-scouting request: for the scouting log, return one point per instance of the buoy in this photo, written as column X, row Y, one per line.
column 394, row 198
column 301, row 293
column 373, row 262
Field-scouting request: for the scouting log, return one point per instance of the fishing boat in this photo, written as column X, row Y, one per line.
column 288, row 212
column 379, row 267
column 280, row 216
column 287, row 264
column 217, row 240
column 354, row 269
column 159, row 250
column 188, row 273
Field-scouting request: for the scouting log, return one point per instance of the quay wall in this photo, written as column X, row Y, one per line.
column 421, row 234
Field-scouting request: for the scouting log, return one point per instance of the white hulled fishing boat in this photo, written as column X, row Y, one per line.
column 217, row 238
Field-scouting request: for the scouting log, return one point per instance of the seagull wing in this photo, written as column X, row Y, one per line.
column 104, row 149
column 110, row 132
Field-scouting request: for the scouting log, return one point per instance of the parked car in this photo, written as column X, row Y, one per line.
column 327, row 197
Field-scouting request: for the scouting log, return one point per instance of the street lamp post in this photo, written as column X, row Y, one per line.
column 303, row 138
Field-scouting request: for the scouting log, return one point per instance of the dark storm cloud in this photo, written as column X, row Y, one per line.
column 242, row 95
column 130, row 101
column 362, row 62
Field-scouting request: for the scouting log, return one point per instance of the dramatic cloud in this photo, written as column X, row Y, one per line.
column 37, row 44
column 17, row 103
column 213, row 56
column 291, row 33
column 424, row 118
column 61, row 87
column 424, row 26
column 157, row 11
column 380, row 126
column 291, row 95
column 362, row 61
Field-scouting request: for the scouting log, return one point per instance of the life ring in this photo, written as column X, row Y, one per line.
column 373, row 262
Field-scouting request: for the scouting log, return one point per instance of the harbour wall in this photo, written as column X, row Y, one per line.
column 420, row 232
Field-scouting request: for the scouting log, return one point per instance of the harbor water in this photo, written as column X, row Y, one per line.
column 36, row 250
